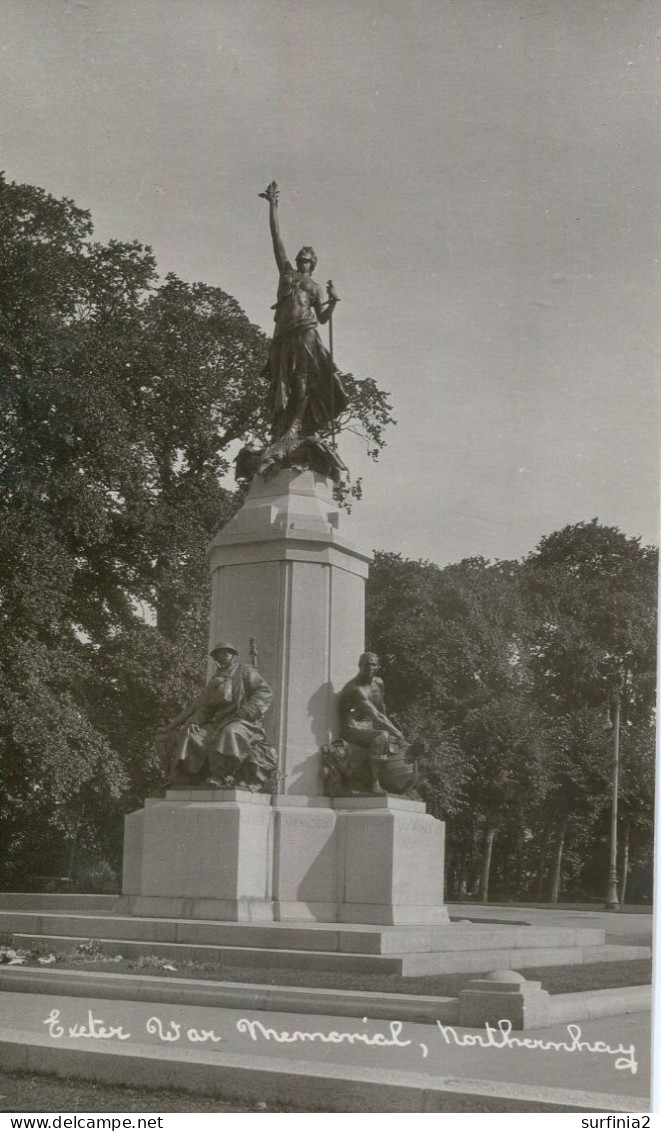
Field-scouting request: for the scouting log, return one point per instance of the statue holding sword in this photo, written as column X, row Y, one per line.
column 306, row 394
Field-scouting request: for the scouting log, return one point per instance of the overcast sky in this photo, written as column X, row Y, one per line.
column 480, row 178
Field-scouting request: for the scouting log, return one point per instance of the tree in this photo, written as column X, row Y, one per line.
column 452, row 645
column 506, row 741
column 505, row 669
column 591, row 591
column 120, row 399
column 63, row 454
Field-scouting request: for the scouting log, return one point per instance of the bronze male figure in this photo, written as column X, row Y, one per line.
column 218, row 741
column 373, row 745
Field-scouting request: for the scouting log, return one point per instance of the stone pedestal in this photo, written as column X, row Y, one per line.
column 241, row 857
column 284, row 573
column 306, row 866
column 200, row 854
column 358, row 860
column 391, row 863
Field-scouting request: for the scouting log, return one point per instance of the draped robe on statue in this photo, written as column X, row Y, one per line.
column 299, row 366
column 223, row 732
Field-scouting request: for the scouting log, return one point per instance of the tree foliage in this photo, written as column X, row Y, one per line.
column 121, row 396
column 508, row 669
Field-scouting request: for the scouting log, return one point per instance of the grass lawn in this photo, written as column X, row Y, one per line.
column 555, row 979
column 27, row 1092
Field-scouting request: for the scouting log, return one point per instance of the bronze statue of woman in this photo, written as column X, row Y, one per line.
column 305, row 392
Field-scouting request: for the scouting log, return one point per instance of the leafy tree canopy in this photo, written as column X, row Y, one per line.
column 507, row 671
column 120, row 398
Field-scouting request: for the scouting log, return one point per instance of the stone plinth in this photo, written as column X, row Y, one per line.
column 306, row 865
column 200, row 855
column 504, row 996
column 391, row 861
column 244, row 857
column 358, row 860
column 284, row 573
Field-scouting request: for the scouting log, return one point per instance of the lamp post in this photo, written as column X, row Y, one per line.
column 612, row 901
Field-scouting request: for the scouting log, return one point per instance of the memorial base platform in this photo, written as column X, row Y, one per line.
column 245, row 857
column 353, row 948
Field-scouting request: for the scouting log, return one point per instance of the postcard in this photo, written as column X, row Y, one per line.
column 329, row 470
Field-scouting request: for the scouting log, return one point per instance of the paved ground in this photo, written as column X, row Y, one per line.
column 421, row 1051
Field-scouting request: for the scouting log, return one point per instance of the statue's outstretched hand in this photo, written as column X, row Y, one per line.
column 271, row 193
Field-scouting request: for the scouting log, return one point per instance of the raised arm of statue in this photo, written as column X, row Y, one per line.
column 279, row 251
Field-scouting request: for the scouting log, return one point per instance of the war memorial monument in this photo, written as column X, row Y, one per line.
column 288, row 837
column 247, row 831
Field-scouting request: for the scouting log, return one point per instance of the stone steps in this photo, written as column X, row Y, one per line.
column 234, row 995
column 54, row 901
column 617, row 952
column 462, row 947
column 466, row 960
column 331, row 961
column 342, row 938
column 516, row 958
column 567, row 1007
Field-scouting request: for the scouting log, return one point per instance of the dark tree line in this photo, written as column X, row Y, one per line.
column 507, row 672
column 122, row 397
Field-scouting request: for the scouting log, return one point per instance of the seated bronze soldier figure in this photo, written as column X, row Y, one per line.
column 218, row 741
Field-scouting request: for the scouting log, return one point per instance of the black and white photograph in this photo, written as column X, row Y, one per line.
column 329, row 523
